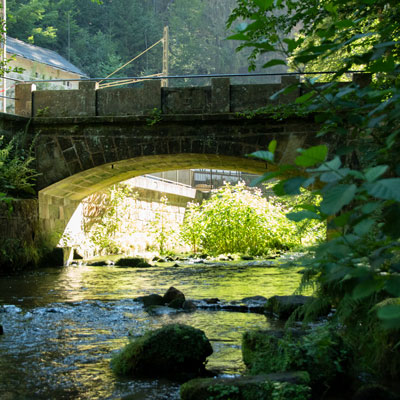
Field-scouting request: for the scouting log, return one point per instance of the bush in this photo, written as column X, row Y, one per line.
column 239, row 220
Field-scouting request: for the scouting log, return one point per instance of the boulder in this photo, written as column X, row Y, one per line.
column 101, row 263
column 283, row 306
column 151, row 300
column 1, row 330
column 172, row 294
column 262, row 350
column 254, row 299
column 260, row 387
column 135, row 262
column 321, row 352
column 189, row 305
column 177, row 303
column 174, row 351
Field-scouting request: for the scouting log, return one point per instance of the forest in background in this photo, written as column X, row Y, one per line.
column 99, row 38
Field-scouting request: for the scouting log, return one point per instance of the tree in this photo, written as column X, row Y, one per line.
column 359, row 177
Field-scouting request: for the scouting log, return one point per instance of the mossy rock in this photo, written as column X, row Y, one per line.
column 151, row 300
column 177, row 303
column 175, row 351
column 100, row 263
column 320, row 352
column 283, row 306
column 260, row 387
column 173, row 295
column 263, row 350
column 134, row 262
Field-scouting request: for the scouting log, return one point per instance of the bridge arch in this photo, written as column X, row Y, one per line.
column 58, row 201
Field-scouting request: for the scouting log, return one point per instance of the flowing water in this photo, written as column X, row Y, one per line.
column 62, row 325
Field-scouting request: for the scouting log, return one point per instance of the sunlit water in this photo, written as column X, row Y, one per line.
column 62, row 325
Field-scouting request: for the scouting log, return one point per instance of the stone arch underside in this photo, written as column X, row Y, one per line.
column 79, row 156
column 58, row 201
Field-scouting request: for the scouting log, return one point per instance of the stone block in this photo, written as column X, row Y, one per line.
column 23, row 99
column 220, row 95
column 362, row 80
column 130, row 101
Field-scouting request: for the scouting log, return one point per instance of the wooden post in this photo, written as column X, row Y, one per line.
column 164, row 82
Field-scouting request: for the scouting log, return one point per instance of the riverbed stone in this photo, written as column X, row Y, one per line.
column 177, row 303
column 135, row 262
column 1, row 330
column 174, row 351
column 189, row 305
column 283, row 306
column 259, row 387
column 151, row 300
column 213, row 300
column 172, row 294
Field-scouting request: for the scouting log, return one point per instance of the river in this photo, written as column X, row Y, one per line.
column 62, row 325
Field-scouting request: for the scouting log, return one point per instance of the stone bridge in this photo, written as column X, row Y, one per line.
column 88, row 139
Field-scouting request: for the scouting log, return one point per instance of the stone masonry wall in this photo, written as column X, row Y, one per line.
column 140, row 211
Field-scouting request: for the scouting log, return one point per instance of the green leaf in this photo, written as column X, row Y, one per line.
column 305, row 97
column 370, row 207
column 383, row 65
column 367, row 288
column 346, row 23
column 336, row 197
column 292, row 43
column 364, row 226
column 390, row 311
column 312, row 156
column 263, row 155
column 387, row 189
column 332, row 165
column 334, row 176
column 285, row 90
column 265, row 177
column 372, row 174
column 292, row 185
column 264, row 4
column 272, row 146
column 301, row 215
column 274, row 62
column 238, row 36
column 341, row 220
column 392, row 285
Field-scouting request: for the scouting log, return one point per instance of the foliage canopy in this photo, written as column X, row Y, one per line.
column 359, row 176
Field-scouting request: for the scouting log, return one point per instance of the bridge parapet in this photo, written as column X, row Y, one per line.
column 89, row 101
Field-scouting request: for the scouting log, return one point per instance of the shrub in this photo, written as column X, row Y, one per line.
column 239, row 220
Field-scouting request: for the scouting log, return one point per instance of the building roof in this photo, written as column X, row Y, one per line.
column 41, row 55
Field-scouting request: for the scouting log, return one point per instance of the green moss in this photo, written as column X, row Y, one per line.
column 261, row 387
column 172, row 351
column 135, row 262
column 321, row 353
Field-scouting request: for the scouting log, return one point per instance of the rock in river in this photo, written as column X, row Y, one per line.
column 173, row 294
column 174, row 351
